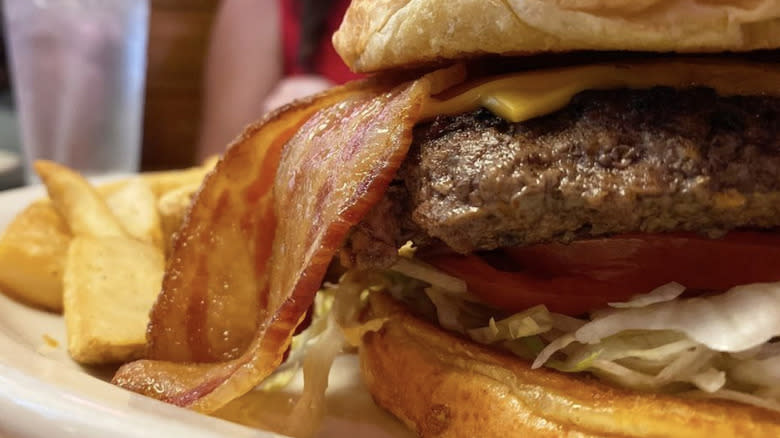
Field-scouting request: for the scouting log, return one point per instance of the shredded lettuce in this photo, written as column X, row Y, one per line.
column 528, row 323
column 422, row 271
column 556, row 345
column 456, row 313
column 309, row 409
column 448, row 311
column 667, row 292
column 301, row 343
column 527, row 348
column 655, row 350
column 739, row 319
column 709, row 380
column 718, row 345
column 315, row 348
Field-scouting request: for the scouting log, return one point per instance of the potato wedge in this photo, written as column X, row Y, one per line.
column 172, row 207
column 78, row 202
column 108, row 189
column 135, row 206
column 165, row 181
column 33, row 250
column 162, row 182
column 210, row 162
column 110, row 285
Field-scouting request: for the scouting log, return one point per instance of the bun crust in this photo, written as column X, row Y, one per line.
column 384, row 34
column 443, row 386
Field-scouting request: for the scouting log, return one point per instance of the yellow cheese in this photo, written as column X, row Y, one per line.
column 525, row 95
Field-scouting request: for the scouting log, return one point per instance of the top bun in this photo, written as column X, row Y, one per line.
column 384, row 34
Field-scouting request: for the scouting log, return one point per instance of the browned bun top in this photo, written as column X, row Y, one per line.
column 384, row 34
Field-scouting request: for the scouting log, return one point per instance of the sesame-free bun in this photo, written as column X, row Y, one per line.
column 384, row 34
column 441, row 385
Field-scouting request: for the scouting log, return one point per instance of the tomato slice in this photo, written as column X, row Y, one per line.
column 586, row 274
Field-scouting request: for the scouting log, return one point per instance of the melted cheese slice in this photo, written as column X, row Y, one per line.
column 525, row 95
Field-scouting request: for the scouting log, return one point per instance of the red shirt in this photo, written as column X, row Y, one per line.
column 326, row 62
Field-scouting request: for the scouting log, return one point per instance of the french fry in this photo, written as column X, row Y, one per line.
column 110, row 284
column 109, row 188
column 78, row 202
column 135, row 206
column 172, row 207
column 210, row 162
column 164, row 181
column 161, row 182
column 33, row 250
column 107, row 277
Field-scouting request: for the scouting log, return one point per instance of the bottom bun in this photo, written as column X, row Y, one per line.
column 441, row 385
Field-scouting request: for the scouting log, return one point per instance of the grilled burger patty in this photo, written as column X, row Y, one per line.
column 613, row 161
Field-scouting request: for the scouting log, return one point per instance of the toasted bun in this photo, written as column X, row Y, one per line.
column 443, row 386
column 380, row 35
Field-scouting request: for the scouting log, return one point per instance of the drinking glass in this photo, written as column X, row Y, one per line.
column 78, row 70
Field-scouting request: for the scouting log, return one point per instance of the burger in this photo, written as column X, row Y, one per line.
column 539, row 218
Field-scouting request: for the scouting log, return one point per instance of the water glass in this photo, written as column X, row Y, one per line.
column 78, row 70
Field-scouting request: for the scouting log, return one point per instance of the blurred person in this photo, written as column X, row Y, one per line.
column 264, row 54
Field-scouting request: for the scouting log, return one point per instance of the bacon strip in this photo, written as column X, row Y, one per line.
column 212, row 299
column 253, row 253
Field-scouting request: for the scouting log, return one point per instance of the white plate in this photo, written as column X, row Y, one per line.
column 43, row 393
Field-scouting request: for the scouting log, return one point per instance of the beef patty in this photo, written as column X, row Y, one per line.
column 612, row 161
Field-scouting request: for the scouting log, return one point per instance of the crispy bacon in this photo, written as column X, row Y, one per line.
column 254, row 250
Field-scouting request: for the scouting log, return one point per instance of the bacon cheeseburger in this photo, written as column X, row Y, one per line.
column 587, row 223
